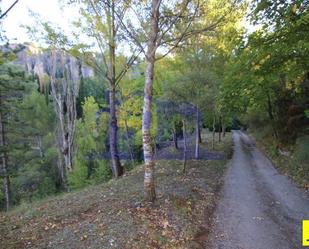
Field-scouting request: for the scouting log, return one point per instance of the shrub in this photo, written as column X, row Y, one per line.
column 302, row 150
column 91, row 131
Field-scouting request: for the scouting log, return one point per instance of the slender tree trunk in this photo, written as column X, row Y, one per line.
column 62, row 172
column 7, row 189
column 220, row 129
column 71, row 123
column 197, row 127
column 223, row 129
column 40, row 146
column 184, row 145
column 175, row 137
column 63, row 161
column 64, row 92
column 62, row 135
column 149, row 178
column 149, row 181
column 117, row 168
column 4, row 162
column 128, row 140
column 154, row 146
column 213, row 132
column 200, row 134
column 66, row 151
column 271, row 116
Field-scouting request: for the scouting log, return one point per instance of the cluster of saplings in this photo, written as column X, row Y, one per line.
column 32, row 141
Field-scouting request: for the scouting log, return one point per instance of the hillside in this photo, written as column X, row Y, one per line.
column 113, row 215
column 117, row 119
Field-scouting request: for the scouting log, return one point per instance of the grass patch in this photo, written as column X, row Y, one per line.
column 292, row 161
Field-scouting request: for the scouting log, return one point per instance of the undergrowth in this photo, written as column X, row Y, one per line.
column 292, row 160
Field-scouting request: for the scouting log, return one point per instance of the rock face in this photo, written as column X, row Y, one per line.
column 37, row 62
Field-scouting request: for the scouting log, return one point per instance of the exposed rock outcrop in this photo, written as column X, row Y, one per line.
column 37, row 62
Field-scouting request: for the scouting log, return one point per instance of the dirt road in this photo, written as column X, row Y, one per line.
column 259, row 208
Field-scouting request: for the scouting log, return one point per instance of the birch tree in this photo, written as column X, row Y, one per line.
column 167, row 25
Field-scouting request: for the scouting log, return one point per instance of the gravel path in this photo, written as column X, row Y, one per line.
column 259, row 208
column 167, row 152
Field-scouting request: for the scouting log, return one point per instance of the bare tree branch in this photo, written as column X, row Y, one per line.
column 173, row 22
column 189, row 33
column 8, row 10
column 132, row 36
column 126, row 67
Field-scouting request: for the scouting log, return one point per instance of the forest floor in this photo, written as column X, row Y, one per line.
column 259, row 208
column 113, row 215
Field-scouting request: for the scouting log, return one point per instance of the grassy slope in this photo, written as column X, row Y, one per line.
column 113, row 215
column 287, row 164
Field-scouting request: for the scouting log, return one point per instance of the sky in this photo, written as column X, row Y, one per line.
column 50, row 10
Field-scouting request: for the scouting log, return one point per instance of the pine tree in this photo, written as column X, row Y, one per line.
column 13, row 83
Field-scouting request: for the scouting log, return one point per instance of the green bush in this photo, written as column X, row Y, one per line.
column 78, row 178
column 89, row 172
column 102, row 171
column 302, row 150
column 47, row 187
column 91, row 133
column 301, row 159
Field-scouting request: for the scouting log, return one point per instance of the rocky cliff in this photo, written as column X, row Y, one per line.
column 37, row 62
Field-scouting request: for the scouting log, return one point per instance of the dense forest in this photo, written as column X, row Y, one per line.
column 76, row 112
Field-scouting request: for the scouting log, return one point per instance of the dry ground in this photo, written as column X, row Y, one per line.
column 113, row 215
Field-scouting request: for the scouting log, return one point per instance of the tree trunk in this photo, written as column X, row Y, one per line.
column 200, row 134
column 184, row 146
column 223, row 129
column 64, row 91
column 40, row 146
column 175, row 137
column 213, row 132
column 128, row 141
column 220, row 129
column 149, row 178
column 4, row 161
column 271, row 116
column 197, row 127
column 62, row 172
column 154, row 146
column 149, row 181
column 117, row 168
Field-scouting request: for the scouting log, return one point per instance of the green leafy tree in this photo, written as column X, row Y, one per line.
column 13, row 85
column 37, row 173
column 91, row 131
